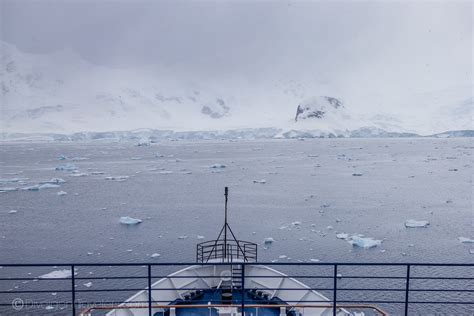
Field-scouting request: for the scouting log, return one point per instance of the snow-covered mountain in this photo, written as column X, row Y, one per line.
column 61, row 93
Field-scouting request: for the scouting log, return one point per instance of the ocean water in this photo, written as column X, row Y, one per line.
column 354, row 186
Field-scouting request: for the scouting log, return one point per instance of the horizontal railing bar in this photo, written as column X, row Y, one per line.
column 223, row 263
column 214, row 276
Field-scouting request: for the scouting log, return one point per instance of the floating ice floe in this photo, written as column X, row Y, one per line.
column 126, row 220
column 61, row 193
column 200, row 237
column 48, row 186
column 411, row 223
column 364, row 242
column 165, row 172
column 117, row 178
column 12, row 212
column 282, row 256
column 183, row 237
column 296, row 223
column 57, row 274
column 78, row 174
column 218, row 166
column 8, row 189
column 49, row 308
column 155, row 255
column 314, row 260
column 261, row 181
column 466, row 240
column 31, row 188
column 88, row 284
column 66, row 167
column 62, row 157
column 13, row 180
column 342, row 236
column 268, row 240
column 53, row 181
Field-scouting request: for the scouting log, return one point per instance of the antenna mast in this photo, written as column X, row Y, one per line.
column 226, row 194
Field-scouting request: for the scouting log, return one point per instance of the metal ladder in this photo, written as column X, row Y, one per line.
column 236, row 276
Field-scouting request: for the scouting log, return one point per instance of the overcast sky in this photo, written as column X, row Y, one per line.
column 391, row 45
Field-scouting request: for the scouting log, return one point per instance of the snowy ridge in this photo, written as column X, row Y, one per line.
column 146, row 136
column 62, row 97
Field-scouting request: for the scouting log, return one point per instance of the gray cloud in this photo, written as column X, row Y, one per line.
column 358, row 46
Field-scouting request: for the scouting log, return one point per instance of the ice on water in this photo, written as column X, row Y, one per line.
column 127, row 220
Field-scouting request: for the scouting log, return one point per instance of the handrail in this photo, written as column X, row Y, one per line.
column 406, row 276
column 215, row 249
column 88, row 310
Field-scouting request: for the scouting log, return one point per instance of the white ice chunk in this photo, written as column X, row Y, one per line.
column 217, row 166
column 268, row 240
column 155, row 255
column 261, row 181
column 314, row 260
column 342, row 236
column 411, row 223
column 48, row 186
column 117, row 178
column 364, row 242
column 200, row 237
column 126, row 220
column 183, row 237
column 66, row 167
column 88, row 284
column 31, row 188
column 61, row 193
column 466, row 240
column 54, row 181
column 13, row 212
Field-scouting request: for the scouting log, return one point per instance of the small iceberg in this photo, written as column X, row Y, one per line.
column 183, row 237
column 411, row 223
column 31, row 188
column 66, row 167
column 363, row 242
column 61, row 193
column 261, row 181
column 217, row 166
column 155, row 255
column 13, row 212
column 88, row 284
column 54, row 181
column 268, row 240
column 126, row 220
column 466, row 240
column 342, row 236
column 314, row 260
column 117, row 178
column 48, row 186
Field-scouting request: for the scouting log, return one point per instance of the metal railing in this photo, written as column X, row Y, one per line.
column 400, row 288
column 226, row 251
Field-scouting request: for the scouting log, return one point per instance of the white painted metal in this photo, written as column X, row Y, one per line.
column 195, row 277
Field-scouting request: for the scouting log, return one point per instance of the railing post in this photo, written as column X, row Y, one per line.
column 73, row 290
column 334, row 293
column 243, row 289
column 149, row 290
column 407, row 289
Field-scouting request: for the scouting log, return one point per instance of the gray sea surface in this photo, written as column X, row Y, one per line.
column 300, row 193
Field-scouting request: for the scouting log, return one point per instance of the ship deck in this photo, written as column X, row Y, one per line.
column 214, row 297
